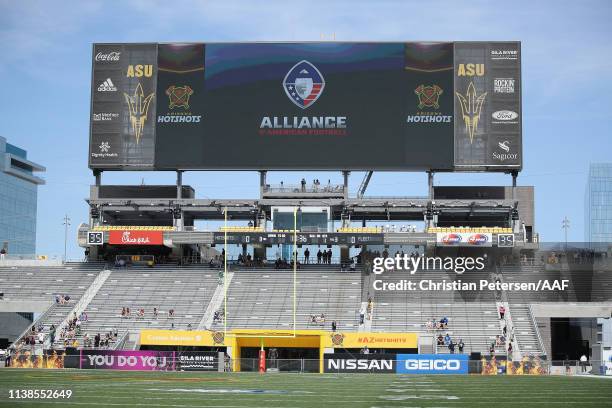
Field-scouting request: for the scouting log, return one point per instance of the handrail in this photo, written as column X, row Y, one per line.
column 35, row 323
column 537, row 330
column 120, row 342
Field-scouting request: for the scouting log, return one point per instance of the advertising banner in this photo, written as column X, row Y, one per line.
column 470, row 239
column 182, row 338
column 306, row 106
column 359, row 363
column 123, row 98
column 432, row 364
column 200, row 361
column 120, row 237
column 488, row 105
column 372, row 340
column 143, row 360
column 528, row 365
column 49, row 359
column 493, row 365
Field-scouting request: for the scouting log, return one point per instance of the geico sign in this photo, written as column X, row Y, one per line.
column 442, row 365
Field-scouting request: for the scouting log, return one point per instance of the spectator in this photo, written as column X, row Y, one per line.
column 127, row 312
column 123, row 312
column 440, row 340
column 83, row 316
column 141, row 312
column 447, row 339
column 171, row 314
column 451, row 347
column 307, row 256
column 319, row 256
column 97, row 340
column 365, row 350
column 333, row 326
column 41, row 338
column 2, row 254
column 189, row 327
column 329, row 256
column 492, row 348
column 461, row 345
column 509, row 350
column 303, row 183
column 502, row 312
column 361, row 317
column 155, row 312
column 443, row 322
column 583, row 363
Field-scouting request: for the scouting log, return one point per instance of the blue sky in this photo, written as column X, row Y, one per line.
column 45, row 66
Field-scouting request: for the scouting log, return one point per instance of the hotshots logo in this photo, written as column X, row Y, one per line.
column 303, row 85
column 138, row 105
column 471, row 107
column 178, row 105
column 428, row 98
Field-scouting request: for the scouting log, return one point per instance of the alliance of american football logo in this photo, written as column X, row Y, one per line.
column 303, row 84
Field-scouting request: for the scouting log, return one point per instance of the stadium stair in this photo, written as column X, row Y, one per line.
column 216, row 303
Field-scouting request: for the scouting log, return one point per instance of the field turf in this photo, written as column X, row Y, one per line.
column 160, row 389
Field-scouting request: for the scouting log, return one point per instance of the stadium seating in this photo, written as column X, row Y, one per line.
column 472, row 315
column 263, row 298
column 187, row 290
column 26, row 283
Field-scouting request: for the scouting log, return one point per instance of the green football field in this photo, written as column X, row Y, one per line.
column 160, row 389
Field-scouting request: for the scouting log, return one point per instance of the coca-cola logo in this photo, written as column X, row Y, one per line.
column 112, row 56
column 127, row 239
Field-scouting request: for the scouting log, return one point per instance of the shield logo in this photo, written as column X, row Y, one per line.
column 428, row 96
column 303, row 84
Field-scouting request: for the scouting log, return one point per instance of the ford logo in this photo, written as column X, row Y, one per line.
column 504, row 115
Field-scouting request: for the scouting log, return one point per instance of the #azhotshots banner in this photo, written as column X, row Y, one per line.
column 143, row 360
column 317, row 106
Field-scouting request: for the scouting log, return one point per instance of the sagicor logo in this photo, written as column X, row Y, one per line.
column 303, row 84
column 505, row 145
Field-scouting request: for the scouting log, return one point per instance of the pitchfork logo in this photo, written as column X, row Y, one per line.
column 471, row 108
column 303, row 84
column 139, row 108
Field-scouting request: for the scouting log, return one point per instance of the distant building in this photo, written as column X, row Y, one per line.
column 18, row 198
column 598, row 204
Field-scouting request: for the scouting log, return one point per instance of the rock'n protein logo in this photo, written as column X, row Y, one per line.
column 303, row 84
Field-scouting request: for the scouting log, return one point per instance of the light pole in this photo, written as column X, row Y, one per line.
column 66, row 224
column 565, row 224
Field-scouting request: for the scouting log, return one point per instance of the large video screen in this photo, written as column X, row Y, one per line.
column 306, row 106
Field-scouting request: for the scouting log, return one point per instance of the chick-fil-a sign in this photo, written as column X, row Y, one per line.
column 127, row 237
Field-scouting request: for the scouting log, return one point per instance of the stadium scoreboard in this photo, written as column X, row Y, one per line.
column 402, row 106
column 302, row 238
